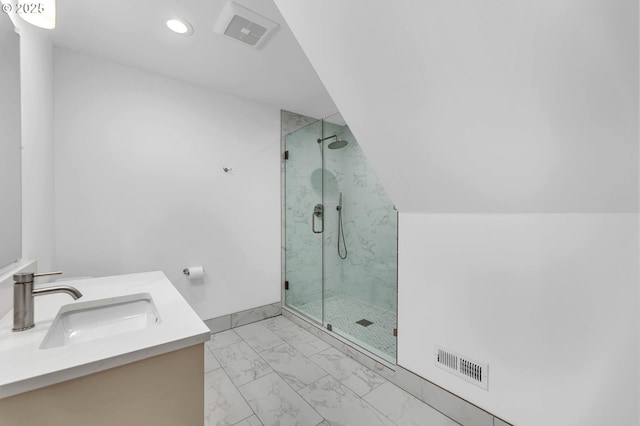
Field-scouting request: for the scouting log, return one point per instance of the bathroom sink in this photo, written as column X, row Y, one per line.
column 96, row 319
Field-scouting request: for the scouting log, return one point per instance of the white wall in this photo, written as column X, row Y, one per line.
column 507, row 135
column 139, row 183
column 546, row 300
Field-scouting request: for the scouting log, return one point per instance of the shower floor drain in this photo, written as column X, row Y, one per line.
column 364, row 322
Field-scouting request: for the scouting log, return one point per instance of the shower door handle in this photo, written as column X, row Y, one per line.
column 318, row 211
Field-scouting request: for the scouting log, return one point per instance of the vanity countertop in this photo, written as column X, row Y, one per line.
column 24, row 366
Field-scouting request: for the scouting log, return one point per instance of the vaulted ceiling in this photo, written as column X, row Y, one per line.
column 485, row 107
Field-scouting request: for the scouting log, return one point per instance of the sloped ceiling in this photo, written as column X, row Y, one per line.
column 134, row 33
column 492, row 106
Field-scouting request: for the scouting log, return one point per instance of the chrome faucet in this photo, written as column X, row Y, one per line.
column 23, row 294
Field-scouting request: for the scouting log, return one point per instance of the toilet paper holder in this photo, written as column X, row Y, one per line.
column 193, row 272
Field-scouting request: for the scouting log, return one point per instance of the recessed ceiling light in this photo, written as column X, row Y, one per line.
column 180, row 26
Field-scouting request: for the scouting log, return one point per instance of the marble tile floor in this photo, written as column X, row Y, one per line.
column 273, row 372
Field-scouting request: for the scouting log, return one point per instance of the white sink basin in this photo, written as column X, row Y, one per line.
column 96, row 319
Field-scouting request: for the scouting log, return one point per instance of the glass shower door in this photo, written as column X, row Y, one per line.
column 304, row 221
column 359, row 246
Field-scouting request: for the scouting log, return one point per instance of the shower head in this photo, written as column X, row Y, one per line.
column 337, row 144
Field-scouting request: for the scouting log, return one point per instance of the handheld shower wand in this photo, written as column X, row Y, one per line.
column 341, row 231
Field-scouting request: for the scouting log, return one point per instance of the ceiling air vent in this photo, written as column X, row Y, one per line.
column 244, row 25
column 463, row 366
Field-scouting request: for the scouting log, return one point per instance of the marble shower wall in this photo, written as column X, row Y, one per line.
column 370, row 223
column 369, row 272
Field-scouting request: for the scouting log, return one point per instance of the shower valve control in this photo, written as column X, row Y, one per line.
column 318, row 212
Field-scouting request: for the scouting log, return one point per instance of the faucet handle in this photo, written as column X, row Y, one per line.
column 29, row 277
column 45, row 274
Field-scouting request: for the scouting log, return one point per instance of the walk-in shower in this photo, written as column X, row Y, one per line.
column 340, row 260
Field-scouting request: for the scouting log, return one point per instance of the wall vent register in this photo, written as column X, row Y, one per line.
column 463, row 367
column 244, row 25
